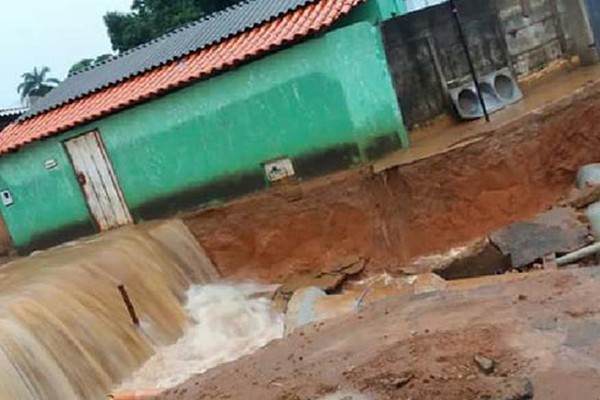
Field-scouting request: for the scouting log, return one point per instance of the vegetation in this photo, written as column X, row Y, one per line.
column 149, row 19
column 89, row 63
column 36, row 84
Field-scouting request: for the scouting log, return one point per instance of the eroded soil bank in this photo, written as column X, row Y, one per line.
column 412, row 210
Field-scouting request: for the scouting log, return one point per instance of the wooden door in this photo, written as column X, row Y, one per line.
column 98, row 181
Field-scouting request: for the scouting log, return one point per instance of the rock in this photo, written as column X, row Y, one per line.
column 478, row 259
column 401, row 381
column 516, row 389
column 342, row 264
column 301, row 308
column 354, row 268
column 428, row 283
column 582, row 198
column 484, row 364
column 330, row 279
column 556, row 231
column 343, row 395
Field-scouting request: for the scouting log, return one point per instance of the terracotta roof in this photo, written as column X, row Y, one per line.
column 200, row 65
column 172, row 46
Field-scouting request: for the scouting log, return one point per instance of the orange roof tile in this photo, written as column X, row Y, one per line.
column 251, row 44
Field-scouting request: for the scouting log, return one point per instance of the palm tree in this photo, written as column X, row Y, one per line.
column 36, row 84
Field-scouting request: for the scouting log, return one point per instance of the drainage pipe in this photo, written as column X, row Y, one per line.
column 463, row 39
column 578, row 254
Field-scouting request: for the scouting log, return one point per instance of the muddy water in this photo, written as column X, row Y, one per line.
column 65, row 332
column 229, row 321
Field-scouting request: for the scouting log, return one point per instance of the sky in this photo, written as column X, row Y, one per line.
column 56, row 33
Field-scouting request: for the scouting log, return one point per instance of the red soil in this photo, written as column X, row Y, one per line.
column 411, row 210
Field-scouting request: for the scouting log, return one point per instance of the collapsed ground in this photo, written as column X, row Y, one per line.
column 539, row 332
column 519, row 327
column 429, row 206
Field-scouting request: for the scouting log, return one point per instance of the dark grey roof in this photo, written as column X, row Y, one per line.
column 12, row 112
column 171, row 46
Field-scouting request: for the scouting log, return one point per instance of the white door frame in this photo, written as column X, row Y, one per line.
column 98, row 182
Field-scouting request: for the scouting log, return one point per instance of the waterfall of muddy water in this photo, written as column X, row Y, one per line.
column 229, row 321
column 65, row 332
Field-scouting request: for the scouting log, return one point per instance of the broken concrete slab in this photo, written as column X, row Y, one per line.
column 556, row 231
column 479, row 259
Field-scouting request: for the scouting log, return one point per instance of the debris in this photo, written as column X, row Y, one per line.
column 549, row 262
column 388, row 381
column 584, row 252
column 579, row 199
column 484, row 364
column 301, row 308
column 517, row 389
column 350, row 266
column 479, row 259
column 556, row 231
column 399, row 381
column 130, row 308
column 330, row 280
column 428, row 283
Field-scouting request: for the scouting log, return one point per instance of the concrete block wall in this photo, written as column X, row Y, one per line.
column 527, row 35
column 534, row 33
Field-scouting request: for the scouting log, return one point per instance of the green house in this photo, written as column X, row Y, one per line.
column 225, row 106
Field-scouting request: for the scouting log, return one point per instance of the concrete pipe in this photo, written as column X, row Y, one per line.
column 588, row 175
column 578, row 254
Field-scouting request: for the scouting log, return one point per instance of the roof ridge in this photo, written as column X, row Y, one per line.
column 272, row 36
column 169, row 33
column 161, row 51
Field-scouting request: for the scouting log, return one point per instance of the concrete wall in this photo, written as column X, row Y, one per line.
column 534, row 33
column 526, row 35
column 328, row 103
column 414, row 42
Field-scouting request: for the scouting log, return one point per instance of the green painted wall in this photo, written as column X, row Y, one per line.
column 326, row 103
column 375, row 11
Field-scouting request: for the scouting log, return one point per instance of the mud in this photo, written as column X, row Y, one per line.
column 423, row 347
column 501, row 176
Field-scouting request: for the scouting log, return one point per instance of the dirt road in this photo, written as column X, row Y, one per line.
column 542, row 334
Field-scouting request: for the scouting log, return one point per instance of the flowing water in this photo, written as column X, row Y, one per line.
column 65, row 332
column 229, row 321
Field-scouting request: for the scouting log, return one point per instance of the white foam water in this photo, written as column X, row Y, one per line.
column 227, row 322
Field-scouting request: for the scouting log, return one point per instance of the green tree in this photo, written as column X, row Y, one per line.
column 36, row 84
column 88, row 63
column 149, row 19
